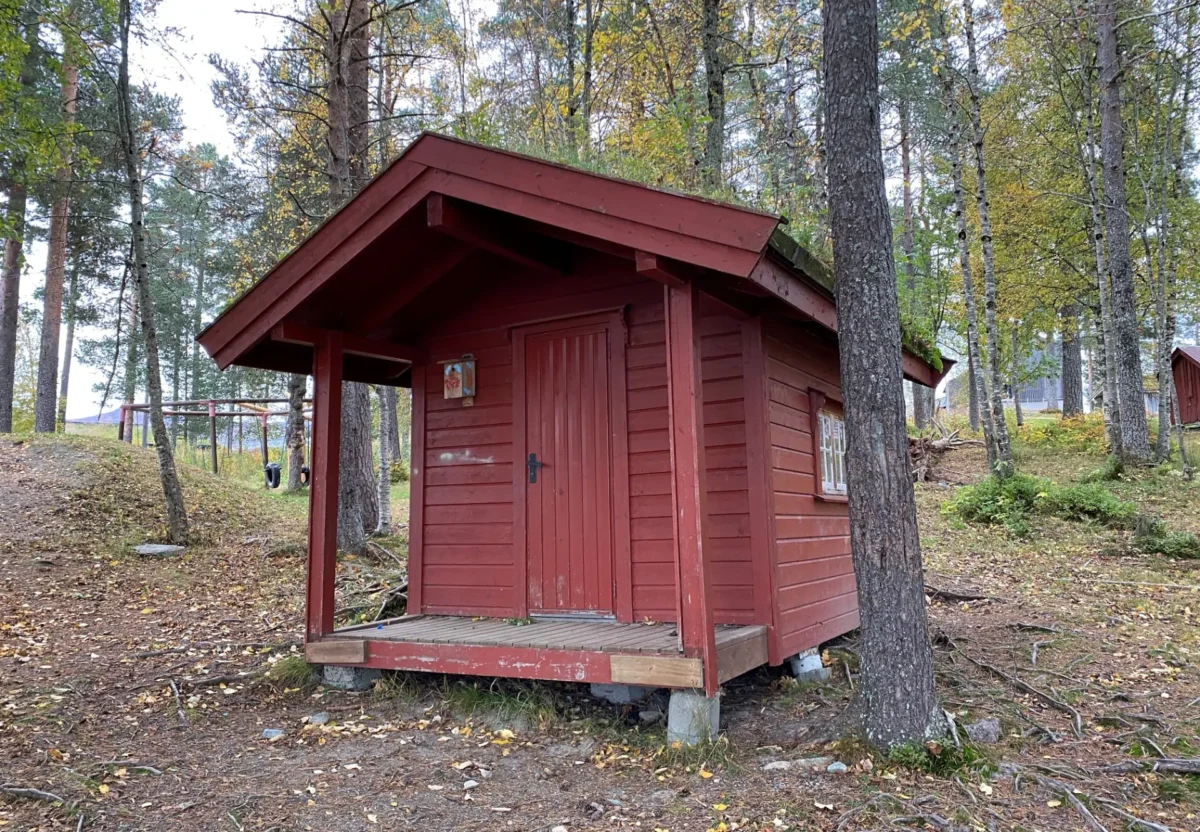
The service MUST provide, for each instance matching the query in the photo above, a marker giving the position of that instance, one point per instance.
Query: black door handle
(534, 465)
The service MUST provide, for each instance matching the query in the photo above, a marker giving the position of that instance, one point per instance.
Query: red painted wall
(1187, 385)
(815, 591)
(468, 562)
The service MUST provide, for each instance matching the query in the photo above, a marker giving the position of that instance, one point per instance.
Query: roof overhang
(444, 200)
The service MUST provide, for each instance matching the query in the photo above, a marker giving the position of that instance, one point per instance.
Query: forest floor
(134, 692)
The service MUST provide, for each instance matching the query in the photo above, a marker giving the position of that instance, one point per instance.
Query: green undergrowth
(1013, 502)
(937, 759)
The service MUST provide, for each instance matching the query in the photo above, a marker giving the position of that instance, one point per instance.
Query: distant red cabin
(626, 420)
(1185, 369)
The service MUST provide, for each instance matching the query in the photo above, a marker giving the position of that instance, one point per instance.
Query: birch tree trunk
(972, 390)
(177, 524)
(1016, 376)
(1004, 460)
(1126, 346)
(976, 377)
(1072, 363)
(896, 687)
(46, 407)
(387, 420)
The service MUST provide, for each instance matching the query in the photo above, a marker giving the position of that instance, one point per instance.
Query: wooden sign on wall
(458, 379)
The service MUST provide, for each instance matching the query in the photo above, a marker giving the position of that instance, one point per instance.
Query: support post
(688, 490)
(323, 493)
(121, 424)
(212, 433)
(265, 439)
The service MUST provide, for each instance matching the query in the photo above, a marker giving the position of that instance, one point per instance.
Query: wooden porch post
(689, 495)
(323, 492)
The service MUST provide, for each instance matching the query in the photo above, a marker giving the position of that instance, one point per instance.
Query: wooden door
(568, 470)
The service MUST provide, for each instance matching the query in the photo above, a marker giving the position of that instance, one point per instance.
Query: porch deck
(551, 649)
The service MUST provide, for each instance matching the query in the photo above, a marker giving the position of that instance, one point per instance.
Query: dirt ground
(134, 692)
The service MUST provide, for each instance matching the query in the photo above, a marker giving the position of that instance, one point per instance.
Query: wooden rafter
(493, 233)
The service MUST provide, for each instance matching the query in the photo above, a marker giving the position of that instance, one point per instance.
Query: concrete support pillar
(342, 677)
(807, 666)
(693, 717)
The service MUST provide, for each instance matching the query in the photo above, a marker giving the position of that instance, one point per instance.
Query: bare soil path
(112, 699)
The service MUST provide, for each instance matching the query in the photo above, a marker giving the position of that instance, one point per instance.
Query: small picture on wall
(458, 379)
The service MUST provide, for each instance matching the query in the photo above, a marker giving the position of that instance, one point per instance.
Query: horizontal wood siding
(650, 466)
(469, 563)
(815, 592)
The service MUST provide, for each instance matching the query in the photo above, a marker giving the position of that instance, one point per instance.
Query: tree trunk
(570, 13)
(1135, 442)
(10, 299)
(1016, 376)
(1004, 460)
(294, 432)
(14, 244)
(1072, 363)
(176, 517)
(131, 356)
(395, 453)
(387, 422)
(896, 686)
(357, 499)
(46, 408)
(714, 89)
(64, 384)
(347, 137)
(972, 392)
(979, 394)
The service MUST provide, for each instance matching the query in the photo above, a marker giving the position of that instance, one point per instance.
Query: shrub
(399, 471)
(1009, 502)
(1076, 433)
(1089, 502)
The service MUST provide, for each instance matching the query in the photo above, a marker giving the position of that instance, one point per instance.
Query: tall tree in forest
(177, 524)
(16, 179)
(46, 407)
(1135, 441)
(714, 93)
(387, 424)
(976, 378)
(896, 684)
(1004, 459)
(347, 122)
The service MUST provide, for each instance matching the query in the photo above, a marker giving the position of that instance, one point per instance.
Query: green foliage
(292, 672)
(935, 758)
(1009, 502)
(1153, 537)
(399, 471)
(1078, 433)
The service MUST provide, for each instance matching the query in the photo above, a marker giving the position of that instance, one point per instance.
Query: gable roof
(495, 197)
(1192, 354)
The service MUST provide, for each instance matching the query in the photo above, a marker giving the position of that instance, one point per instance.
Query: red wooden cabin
(649, 462)
(1185, 369)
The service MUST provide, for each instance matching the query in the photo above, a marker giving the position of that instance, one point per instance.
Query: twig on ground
(179, 703)
(1169, 764)
(954, 597)
(1193, 587)
(849, 678)
(1020, 684)
(1033, 651)
(23, 792)
(1089, 820)
(132, 765)
(1133, 820)
(1023, 627)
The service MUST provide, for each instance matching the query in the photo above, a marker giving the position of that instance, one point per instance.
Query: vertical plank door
(569, 498)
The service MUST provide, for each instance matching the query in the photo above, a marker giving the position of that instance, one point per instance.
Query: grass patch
(935, 758)
(292, 672)
(503, 699)
(703, 756)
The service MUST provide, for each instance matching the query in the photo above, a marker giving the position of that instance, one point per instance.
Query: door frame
(613, 322)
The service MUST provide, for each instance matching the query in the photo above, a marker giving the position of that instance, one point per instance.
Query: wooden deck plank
(637, 647)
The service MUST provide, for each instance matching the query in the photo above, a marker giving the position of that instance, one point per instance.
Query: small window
(833, 453)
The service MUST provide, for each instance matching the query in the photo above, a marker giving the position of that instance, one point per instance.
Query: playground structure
(207, 409)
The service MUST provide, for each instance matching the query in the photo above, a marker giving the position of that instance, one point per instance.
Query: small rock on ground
(984, 731)
(318, 719)
(836, 768)
(158, 550)
(271, 733)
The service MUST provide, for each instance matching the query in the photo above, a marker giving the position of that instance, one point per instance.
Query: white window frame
(832, 456)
